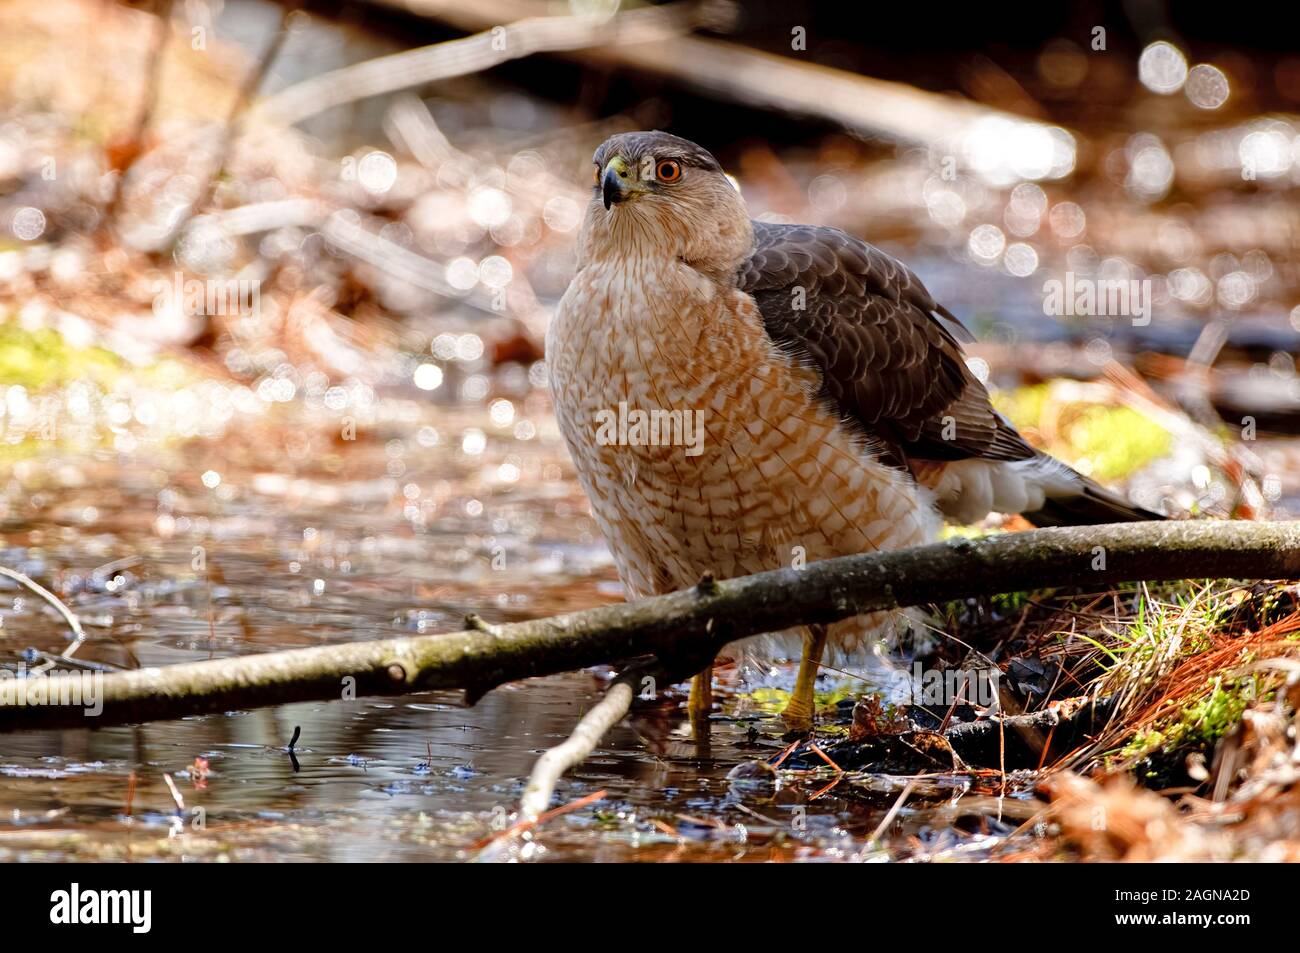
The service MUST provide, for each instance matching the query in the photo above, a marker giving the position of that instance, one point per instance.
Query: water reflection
(169, 569)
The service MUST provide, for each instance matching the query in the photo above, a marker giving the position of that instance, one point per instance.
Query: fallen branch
(735, 73)
(685, 629)
(1004, 742)
(1025, 741)
(495, 45)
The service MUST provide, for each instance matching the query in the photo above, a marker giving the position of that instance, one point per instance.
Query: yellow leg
(799, 710)
(701, 702)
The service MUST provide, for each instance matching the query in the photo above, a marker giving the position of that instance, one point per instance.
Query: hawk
(739, 396)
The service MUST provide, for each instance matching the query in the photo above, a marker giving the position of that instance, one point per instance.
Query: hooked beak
(619, 183)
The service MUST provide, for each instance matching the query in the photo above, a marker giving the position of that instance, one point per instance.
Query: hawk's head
(655, 194)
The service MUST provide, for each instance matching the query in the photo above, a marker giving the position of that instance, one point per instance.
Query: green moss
(1005, 603)
(1023, 406)
(43, 362)
(1198, 727)
(974, 611)
(1117, 441)
(40, 360)
(774, 700)
(770, 700)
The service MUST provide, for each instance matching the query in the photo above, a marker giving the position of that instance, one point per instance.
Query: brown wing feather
(887, 360)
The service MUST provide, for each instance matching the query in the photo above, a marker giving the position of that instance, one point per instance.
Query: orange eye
(668, 170)
(596, 177)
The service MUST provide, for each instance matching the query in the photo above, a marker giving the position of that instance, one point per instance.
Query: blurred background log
(724, 70)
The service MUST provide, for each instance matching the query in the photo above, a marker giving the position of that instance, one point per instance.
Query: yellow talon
(799, 711)
(700, 705)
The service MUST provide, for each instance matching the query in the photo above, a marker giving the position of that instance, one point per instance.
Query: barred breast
(748, 472)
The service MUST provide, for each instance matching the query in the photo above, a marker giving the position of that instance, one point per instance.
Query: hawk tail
(1084, 502)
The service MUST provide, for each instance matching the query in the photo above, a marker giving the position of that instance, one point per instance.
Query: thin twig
(153, 84)
(73, 622)
(892, 813)
(491, 848)
(234, 125)
(608, 712)
(398, 261)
